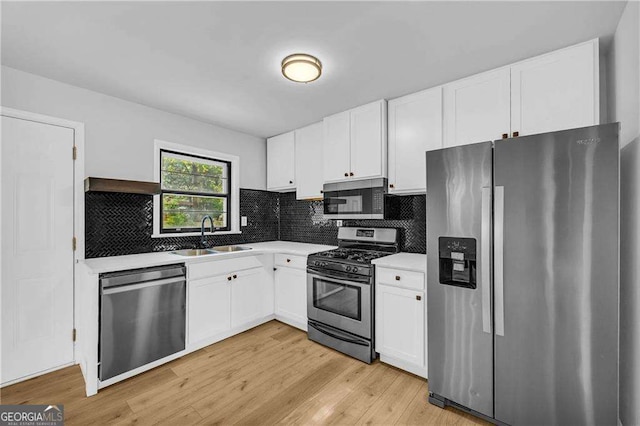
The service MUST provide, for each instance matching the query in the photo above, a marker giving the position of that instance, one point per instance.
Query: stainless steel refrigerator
(522, 292)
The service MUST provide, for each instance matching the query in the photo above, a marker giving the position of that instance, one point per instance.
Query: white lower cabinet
(233, 298)
(400, 323)
(247, 296)
(291, 296)
(209, 307)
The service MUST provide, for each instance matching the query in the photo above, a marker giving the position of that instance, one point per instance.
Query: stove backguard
(457, 261)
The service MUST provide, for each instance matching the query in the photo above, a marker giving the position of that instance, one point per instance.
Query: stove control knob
(355, 269)
(348, 268)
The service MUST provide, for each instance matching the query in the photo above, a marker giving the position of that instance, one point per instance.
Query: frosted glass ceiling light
(301, 68)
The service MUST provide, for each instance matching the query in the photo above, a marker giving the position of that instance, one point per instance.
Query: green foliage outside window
(201, 179)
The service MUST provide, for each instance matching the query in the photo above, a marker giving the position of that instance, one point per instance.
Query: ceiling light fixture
(301, 68)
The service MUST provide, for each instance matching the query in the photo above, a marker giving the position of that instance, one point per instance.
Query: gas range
(349, 260)
(340, 290)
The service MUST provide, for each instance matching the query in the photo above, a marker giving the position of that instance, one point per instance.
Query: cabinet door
(556, 91)
(477, 109)
(247, 295)
(281, 162)
(209, 307)
(369, 141)
(309, 162)
(415, 126)
(291, 294)
(336, 157)
(400, 324)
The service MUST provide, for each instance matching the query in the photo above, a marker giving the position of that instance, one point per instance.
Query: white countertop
(143, 260)
(408, 261)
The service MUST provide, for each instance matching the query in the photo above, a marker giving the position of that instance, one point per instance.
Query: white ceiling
(219, 61)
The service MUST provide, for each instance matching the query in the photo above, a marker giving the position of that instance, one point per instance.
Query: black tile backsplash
(118, 224)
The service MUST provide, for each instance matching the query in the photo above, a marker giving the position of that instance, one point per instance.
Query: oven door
(340, 302)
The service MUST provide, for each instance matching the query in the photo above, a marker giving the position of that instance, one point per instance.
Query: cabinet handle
(235, 276)
(351, 174)
(505, 135)
(516, 134)
(346, 174)
(275, 269)
(288, 260)
(321, 191)
(418, 297)
(397, 277)
(290, 182)
(228, 278)
(391, 185)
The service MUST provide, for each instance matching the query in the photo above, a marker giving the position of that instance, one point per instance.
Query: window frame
(226, 196)
(233, 196)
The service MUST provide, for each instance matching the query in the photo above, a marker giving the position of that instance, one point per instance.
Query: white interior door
(37, 253)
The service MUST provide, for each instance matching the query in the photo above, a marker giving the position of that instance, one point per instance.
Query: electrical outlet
(338, 222)
(243, 221)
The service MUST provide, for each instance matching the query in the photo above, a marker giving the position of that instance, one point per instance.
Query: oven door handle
(342, 279)
(337, 336)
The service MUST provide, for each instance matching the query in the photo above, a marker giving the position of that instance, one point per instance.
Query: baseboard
(34, 375)
(293, 323)
(404, 365)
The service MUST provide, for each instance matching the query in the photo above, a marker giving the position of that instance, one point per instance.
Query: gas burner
(353, 255)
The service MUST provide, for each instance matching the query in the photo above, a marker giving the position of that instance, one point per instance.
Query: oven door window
(341, 299)
(356, 201)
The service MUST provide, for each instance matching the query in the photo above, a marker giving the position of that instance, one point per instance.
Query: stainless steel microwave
(361, 199)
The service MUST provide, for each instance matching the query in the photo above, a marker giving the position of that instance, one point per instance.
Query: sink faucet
(202, 239)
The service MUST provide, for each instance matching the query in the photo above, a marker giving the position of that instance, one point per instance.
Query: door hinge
(74, 334)
(74, 243)
(75, 152)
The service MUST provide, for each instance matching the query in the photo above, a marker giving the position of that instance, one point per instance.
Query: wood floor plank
(267, 375)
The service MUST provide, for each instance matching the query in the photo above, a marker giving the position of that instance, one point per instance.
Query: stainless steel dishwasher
(142, 317)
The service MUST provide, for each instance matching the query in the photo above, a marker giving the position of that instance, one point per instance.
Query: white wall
(119, 134)
(624, 104)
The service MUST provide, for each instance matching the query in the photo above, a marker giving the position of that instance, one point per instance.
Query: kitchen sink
(194, 252)
(212, 250)
(228, 249)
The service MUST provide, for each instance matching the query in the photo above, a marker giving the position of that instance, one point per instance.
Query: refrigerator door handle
(485, 259)
(498, 272)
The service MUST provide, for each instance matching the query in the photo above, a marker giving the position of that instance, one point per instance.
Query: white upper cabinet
(309, 162)
(369, 141)
(415, 126)
(355, 143)
(556, 91)
(477, 108)
(337, 147)
(281, 169)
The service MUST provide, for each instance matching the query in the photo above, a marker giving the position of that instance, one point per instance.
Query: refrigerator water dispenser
(457, 261)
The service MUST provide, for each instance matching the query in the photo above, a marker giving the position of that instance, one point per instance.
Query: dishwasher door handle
(132, 287)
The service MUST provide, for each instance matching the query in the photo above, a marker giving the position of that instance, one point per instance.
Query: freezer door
(458, 280)
(556, 278)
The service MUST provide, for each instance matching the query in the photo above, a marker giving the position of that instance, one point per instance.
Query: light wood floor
(270, 374)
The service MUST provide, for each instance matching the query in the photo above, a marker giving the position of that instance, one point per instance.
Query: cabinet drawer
(213, 267)
(400, 278)
(291, 261)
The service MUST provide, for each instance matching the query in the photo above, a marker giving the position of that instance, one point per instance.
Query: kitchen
(318, 294)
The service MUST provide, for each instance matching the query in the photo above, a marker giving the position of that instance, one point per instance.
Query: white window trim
(234, 190)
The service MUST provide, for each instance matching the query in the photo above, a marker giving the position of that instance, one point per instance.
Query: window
(193, 186)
